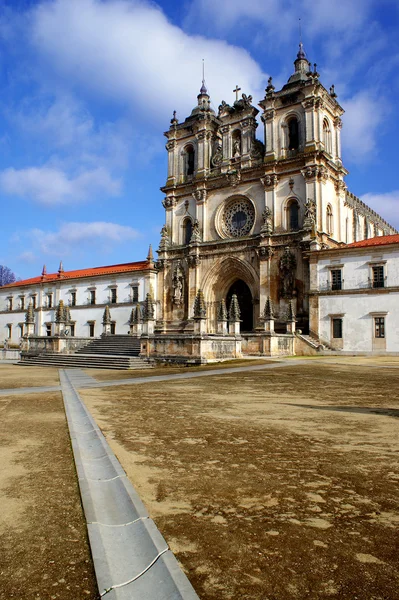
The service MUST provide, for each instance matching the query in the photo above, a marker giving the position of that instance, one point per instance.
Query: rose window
(238, 218)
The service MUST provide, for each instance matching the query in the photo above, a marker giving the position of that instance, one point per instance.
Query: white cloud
(364, 114)
(52, 186)
(27, 257)
(386, 203)
(70, 236)
(130, 53)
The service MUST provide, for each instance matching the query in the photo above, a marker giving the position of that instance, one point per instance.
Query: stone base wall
(190, 349)
(268, 344)
(53, 345)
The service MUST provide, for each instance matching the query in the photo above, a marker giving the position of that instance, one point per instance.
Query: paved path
(30, 390)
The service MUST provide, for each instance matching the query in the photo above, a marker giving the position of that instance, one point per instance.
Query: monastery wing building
(244, 220)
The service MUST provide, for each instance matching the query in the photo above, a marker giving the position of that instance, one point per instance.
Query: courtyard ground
(269, 485)
(44, 552)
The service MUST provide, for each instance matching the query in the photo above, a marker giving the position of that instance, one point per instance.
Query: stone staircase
(111, 352)
(315, 343)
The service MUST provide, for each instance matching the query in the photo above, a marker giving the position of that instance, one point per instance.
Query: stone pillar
(148, 315)
(234, 316)
(30, 320)
(268, 316)
(291, 320)
(107, 321)
(135, 321)
(199, 313)
(222, 318)
(60, 318)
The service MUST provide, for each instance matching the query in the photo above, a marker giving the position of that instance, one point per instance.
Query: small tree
(6, 275)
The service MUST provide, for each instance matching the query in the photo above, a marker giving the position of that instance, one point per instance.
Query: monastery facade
(244, 222)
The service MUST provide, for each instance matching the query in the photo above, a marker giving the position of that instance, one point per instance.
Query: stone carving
(107, 316)
(268, 312)
(60, 312)
(164, 242)
(291, 183)
(247, 100)
(199, 306)
(265, 252)
(196, 233)
(233, 178)
(238, 217)
(269, 180)
(267, 226)
(30, 315)
(269, 115)
(257, 150)
(177, 282)
(199, 196)
(222, 311)
(171, 145)
(287, 267)
(148, 309)
(310, 215)
(217, 157)
(67, 315)
(223, 108)
(270, 87)
(169, 202)
(132, 317)
(234, 310)
(291, 317)
(237, 149)
(159, 264)
(193, 260)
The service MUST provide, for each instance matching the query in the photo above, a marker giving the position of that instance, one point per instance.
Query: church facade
(242, 219)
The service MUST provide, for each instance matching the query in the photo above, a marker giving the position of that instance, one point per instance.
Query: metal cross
(236, 91)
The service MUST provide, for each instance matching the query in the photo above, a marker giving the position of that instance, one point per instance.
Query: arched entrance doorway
(244, 297)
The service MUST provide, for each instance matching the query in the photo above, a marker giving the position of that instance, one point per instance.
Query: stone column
(222, 318)
(199, 313)
(291, 320)
(234, 316)
(60, 318)
(268, 316)
(30, 320)
(148, 315)
(107, 321)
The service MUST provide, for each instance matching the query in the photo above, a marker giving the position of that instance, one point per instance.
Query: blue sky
(89, 86)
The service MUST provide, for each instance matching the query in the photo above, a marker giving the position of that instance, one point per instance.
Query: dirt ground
(110, 375)
(272, 485)
(17, 376)
(44, 553)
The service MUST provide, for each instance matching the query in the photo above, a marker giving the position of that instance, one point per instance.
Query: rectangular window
(49, 300)
(378, 276)
(72, 330)
(91, 329)
(92, 296)
(34, 300)
(379, 327)
(336, 279)
(113, 326)
(21, 330)
(22, 302)
(10, 304)
(48, 329)
(113, 295)
(73, 298)
(9, 331)
(135, 293)
(337, 328)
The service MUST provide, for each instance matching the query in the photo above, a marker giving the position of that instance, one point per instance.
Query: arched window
(330, 222)
(187, 231)
(236, 143)
(293, 134)
(327, 137)
(293, 215)
(189, 160)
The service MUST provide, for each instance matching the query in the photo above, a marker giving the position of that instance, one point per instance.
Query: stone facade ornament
(233, 178)
(132, 317)
(291, 318)
(287, 268)
(107, 316)
(169, 202)
(196, 233)
(310, 215)
(193, 260)
(217, 157)
(269, 181)
(234, 310)
(178, 282)
(60, 312)
(268, 312)
(67, 315)
(165, 241)
(265, 252)
(257, 150)
(199, 306)
(237, 149)
(148, 308)
(222, 311)
(267, 225)
(30, 315)
(200, 196)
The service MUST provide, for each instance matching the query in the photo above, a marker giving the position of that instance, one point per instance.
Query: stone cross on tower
(237, 89)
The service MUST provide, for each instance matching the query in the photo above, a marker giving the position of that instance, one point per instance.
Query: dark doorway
(244, 297)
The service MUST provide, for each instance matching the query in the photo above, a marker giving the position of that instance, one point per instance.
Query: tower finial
(203, 89)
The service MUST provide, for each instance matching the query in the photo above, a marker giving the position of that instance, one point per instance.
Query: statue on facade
(267, 226)
(309, 222)
(287, 268)
(217, 157)
(237, 149)
(164, 242)
(196, 233)
(177, 283)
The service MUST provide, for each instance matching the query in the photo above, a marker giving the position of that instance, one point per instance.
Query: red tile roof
(381, 240)
(80, 273)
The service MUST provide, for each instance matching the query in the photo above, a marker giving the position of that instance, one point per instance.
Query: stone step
(86, 361)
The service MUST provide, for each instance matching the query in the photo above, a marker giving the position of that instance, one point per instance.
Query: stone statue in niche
(310, 215)
(237, 148)
(217, 157)
(267, 226)
(196, 233)
(287, 268)
(178, 285)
